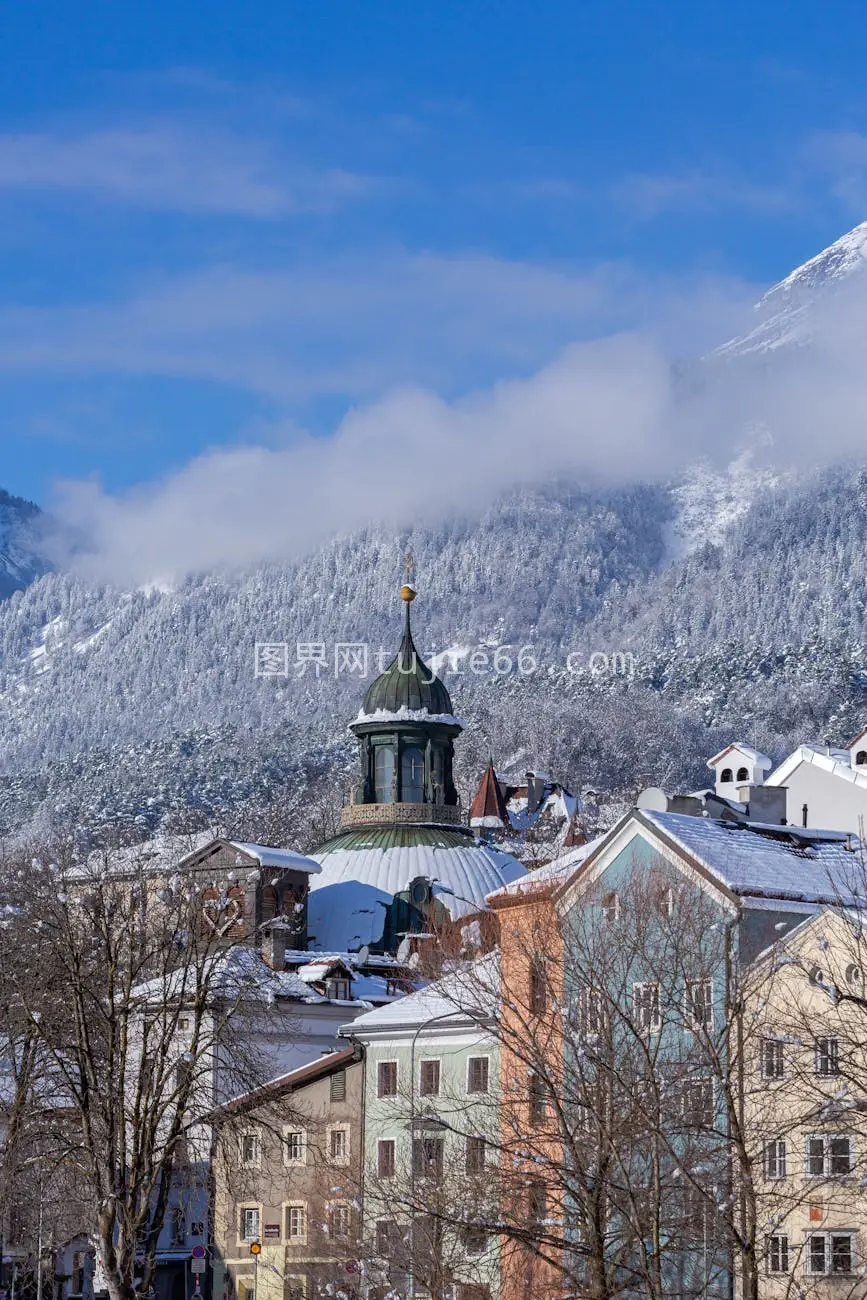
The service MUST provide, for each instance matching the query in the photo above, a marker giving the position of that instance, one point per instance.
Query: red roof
(488, 802)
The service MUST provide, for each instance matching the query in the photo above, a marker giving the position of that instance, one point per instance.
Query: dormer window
(743, 774)
(861, 758)
(338, 990)
(726, 776)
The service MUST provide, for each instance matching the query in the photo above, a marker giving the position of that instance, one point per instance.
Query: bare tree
(138, 999)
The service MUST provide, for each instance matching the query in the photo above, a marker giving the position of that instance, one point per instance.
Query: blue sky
(230, 224)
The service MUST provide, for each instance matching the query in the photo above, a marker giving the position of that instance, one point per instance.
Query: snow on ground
(709, 502)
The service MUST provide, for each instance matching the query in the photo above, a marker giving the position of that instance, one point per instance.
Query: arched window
(726, 775)
(412, 776)
(384, 774)
(743, 774)
(861, 758)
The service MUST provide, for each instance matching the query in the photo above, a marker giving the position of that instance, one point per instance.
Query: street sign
(198, 1252)
(198, 1265)
(272, 1232)
(255, 1248)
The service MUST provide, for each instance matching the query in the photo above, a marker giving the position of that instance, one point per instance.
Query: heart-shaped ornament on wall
(222, 916)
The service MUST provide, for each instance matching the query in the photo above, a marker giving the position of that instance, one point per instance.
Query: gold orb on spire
(407, 591)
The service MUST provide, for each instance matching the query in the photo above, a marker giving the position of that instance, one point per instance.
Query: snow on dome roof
(363, 869)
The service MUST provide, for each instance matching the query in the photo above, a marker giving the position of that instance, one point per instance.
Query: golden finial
(407, 591)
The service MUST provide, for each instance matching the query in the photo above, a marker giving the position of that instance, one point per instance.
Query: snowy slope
(788, 313)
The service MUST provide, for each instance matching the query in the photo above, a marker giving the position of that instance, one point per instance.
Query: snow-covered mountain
(20, 562)
(789, 313)
(733, 601)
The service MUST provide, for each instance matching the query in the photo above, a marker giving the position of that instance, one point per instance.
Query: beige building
(805, 1084)
(287, 1178)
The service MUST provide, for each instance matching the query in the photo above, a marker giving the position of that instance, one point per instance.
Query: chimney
(765, 803)
(274, 946)
(532, 800)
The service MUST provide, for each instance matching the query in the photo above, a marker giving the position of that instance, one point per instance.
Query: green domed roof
(407, 683)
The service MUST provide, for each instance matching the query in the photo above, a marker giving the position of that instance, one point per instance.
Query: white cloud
(171, 168)
(610, 411)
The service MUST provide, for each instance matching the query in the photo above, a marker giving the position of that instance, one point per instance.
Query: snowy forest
(735, 603)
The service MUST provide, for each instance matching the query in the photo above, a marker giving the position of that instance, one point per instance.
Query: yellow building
(803, 1075)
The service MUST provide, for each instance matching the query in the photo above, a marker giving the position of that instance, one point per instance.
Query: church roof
(407, 685)
(488, 808)
(363, 869)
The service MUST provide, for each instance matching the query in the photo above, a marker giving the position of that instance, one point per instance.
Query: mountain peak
(788, 310)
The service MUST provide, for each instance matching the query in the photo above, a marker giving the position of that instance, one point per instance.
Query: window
(384, 774)
(773, 1059)
(338, 990)
(861, 758)
(477, 1074)
(645, 1001)
(699, 1003)
(338, 1086)
(294, 1146)
(427, 1156)
(774, 1158)
(538, 1103)
(184, 1022)
(611, 907)
(777, 1253)
(250, 1149)
(475, 1155)
(386, 1079)
(475, 1240)
(385, 1158)
(429, 1078)
(828, 1155)
(338, 1222)
(538, 986)
(592, 1011)
(338, 1145)
(743, 774)
(179, 1226)
(831, 1252)
(726, 776)
(537, 1202)
(296, 1223)
(384, 1238)
(249, 1223)
(78, 1272)
(698, 1102)
(827, 1056)
(412, 776)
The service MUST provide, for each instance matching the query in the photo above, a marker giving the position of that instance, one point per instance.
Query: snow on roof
(552, 872)
(319, 970)
(771, 861)
(469, 992)
(754, 755)
(284, 859)
(240, 973)
(360, 877)
(837, 763)
(404, 714)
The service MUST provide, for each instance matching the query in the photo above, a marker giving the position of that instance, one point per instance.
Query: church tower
(406, 732)
(404, 860)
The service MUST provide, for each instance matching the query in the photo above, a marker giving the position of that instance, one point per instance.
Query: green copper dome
(407, 683)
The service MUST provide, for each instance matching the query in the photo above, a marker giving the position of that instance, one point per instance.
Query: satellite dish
(362, 955)
(403, 950)
(653, 799)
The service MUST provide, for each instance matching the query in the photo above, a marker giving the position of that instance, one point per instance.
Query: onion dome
(407, 685)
